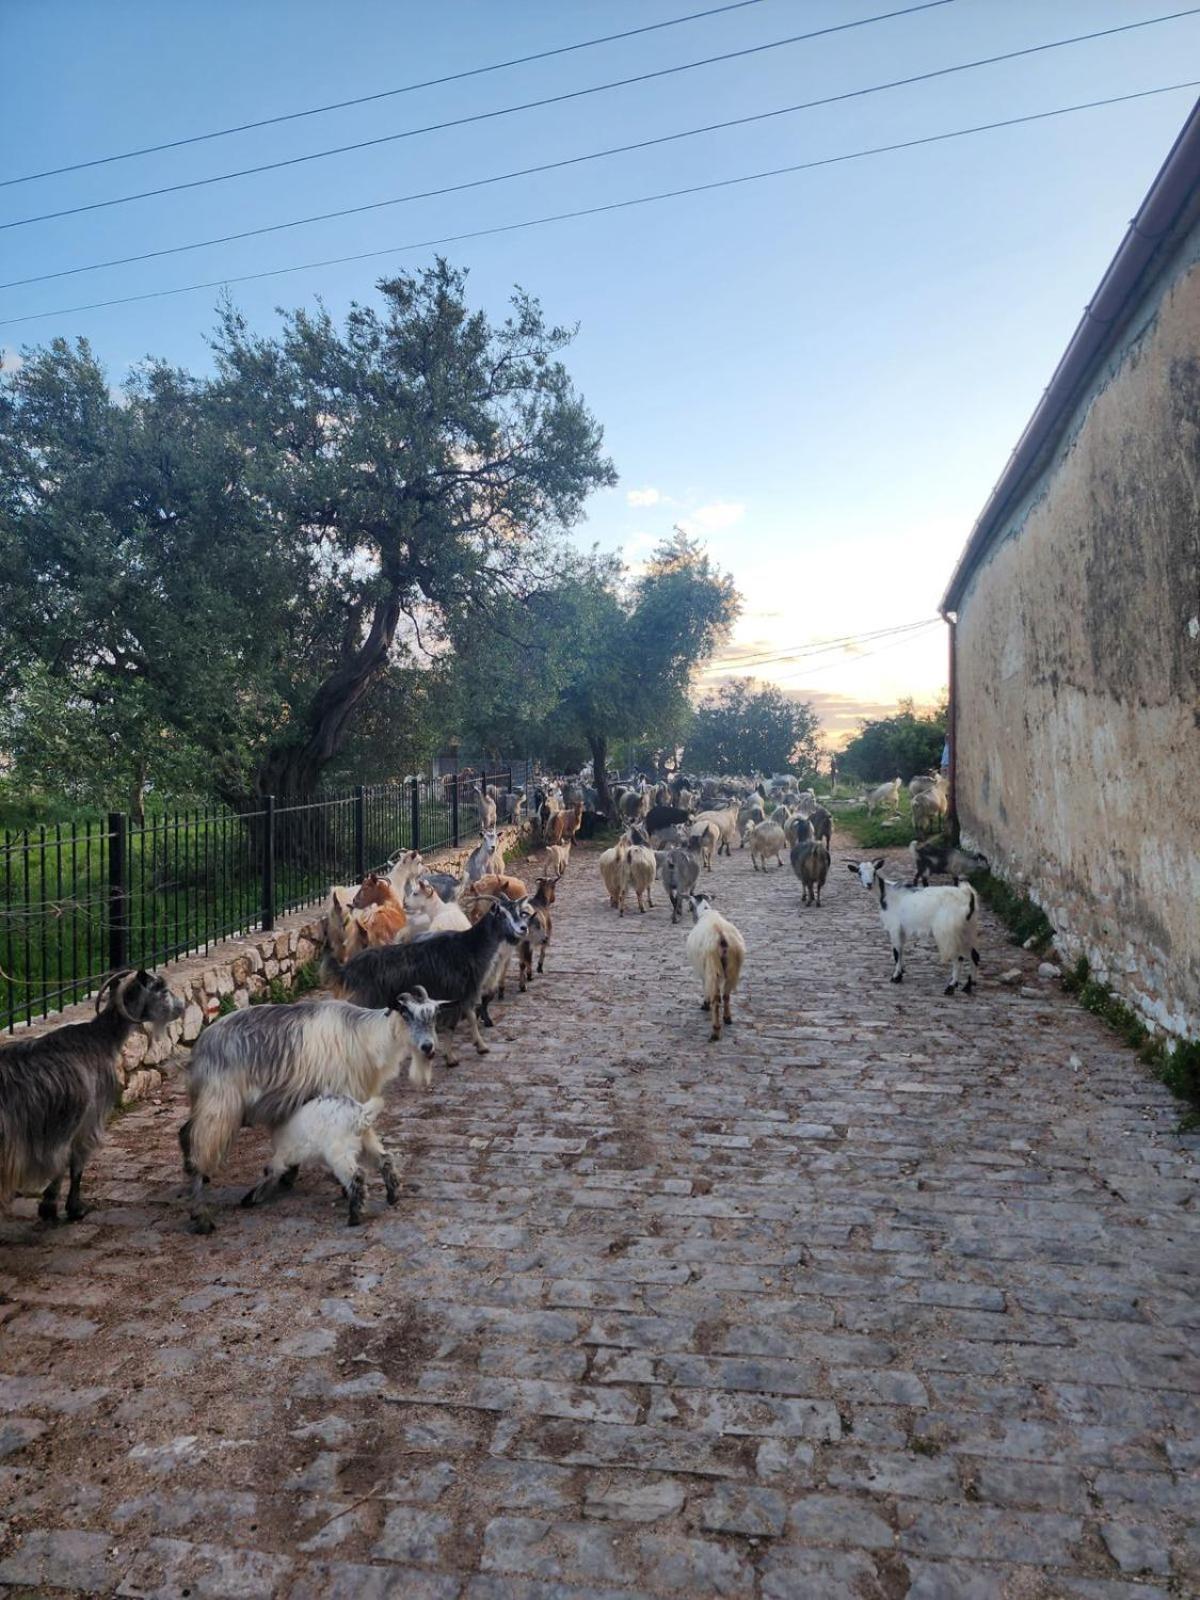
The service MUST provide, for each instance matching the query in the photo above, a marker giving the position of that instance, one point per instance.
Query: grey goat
(680, 872)
(939, 855)
(57, 1091)
(810, 863)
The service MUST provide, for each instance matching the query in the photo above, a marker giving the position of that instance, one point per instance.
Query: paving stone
(173, 1569)
(1136, 1547)
(736, 1508)
(66, 1558)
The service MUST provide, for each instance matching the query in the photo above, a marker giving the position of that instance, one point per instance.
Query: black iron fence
(79, 899)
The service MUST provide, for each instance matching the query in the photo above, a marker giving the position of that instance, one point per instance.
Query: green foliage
(897, 746)
(873, 829)
(748, 729)
(225, 1005)
(207, 579)
(1016, 911)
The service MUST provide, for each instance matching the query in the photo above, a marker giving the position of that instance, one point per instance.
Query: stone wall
(1079, 672)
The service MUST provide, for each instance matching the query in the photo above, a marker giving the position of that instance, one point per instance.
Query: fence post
(268, 864)
(454, 812)
(416, 813)
(360, 832)
(118, 892)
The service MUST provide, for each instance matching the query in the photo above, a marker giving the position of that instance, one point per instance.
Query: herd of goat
(412, 953)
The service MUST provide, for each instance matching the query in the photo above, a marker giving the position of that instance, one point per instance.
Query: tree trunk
(137, 792)
(598, 745)
(293, 770)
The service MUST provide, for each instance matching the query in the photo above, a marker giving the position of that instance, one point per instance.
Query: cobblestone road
(885, 1295)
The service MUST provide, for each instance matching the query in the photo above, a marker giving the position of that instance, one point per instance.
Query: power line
(387, 94)
(593, 211)
(865, 655)
(817, 646)
(578, 94)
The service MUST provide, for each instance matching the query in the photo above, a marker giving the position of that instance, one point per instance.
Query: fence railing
(79, 899)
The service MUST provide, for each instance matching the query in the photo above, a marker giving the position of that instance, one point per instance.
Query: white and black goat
(947, 914)
(939, 855)
(57, 1091)
(455, 968)
(257, 1067)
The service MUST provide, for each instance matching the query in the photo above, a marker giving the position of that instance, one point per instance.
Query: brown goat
(541, 926)
(379, 910)
(476, 900)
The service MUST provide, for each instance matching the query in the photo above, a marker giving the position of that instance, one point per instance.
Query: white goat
(429, 913)
(716, 951)
(887, 794)
(332, 1128)
(766, 839)
(639, 867)
(946, 914)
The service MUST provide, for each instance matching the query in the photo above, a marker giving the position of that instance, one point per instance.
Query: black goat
(57, 1091)
(451, 967)
(661, 818)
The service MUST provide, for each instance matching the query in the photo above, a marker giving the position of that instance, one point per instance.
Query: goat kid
(332, 1129)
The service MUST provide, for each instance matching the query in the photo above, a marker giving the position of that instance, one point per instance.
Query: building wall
(1079, 671)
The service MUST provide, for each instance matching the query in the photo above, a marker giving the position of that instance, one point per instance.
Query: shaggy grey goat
(453, 967)
(256, 1068)
(680, 875)
(810, 863)
(57, 1091)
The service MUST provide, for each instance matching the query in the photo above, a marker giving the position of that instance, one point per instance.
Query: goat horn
(113, 977)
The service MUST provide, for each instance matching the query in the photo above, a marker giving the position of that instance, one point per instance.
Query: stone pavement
(888, 1294)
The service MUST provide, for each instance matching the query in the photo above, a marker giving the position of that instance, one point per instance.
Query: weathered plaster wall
(1079, 672)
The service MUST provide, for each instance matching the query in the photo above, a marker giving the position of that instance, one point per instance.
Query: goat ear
(852, 866)
(879, 865)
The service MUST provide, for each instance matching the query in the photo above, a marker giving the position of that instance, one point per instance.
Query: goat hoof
(250, 1198)
(203, 1225)
(47, 1211)
(393, 1194)
(287, 1179)
(484, 1049)
(714, 1038)
(77, 1213)
(950, 988)
(968, 986)
(354, 1220)
(897, 977)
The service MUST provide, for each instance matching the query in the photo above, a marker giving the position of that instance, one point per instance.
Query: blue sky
(823, 374)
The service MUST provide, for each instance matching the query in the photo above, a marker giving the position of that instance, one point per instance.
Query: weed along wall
(1078, 660)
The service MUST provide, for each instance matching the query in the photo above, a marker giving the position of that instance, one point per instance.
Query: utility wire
(579, 94)
(426, 83)
(830, 666)
(817, 646)
(593, 211)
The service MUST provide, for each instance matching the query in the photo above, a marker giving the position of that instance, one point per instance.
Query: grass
(1178, 1068)
(877, 830)
(1016, 911)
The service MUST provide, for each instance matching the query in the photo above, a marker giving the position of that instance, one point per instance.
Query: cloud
(715, 517)
(649, 496)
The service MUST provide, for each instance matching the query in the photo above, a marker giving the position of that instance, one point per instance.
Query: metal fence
(80, 899)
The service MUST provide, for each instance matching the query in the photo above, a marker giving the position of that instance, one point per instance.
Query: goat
(821, 823)
(638, 870)
(705, 838)
(885, 794)
(749, 813)
(661, 818)
(380, 911)
(476, 898)
(766, 839)
(716, 951)
(612, 870)
(485, 857)
(923, 782)
(332, 1128)
(939, 855)
(929, 806)
(558, 858)
(344, 933)
(256, 1068)
(486, 807)
(947, 914)
(810, 863)
(452, 967)
(429, 913)
(541, 926)
(798, 829)
(57, 1091)
(680, 871)
(806, 802)
(406, 867)
(726, 823)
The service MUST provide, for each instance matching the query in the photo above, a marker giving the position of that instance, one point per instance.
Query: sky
(820, 374)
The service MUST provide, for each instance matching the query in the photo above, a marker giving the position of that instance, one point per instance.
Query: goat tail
(723, 947)
(331, 971)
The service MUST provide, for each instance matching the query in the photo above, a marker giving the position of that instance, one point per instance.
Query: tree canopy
(743, 729)
(233, 564)
(898, 746)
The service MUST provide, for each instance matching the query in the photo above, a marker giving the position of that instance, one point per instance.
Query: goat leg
(378, 1152)
(477, 1036)
(48, 1204)
(270, 1182)
(76, 1210)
